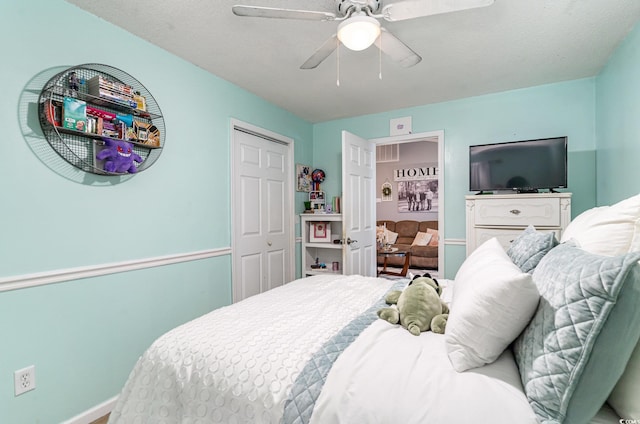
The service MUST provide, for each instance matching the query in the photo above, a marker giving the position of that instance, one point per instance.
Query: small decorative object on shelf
(317, 176)
(320, 232)
(118, 156)
(74, 84)
(318, 265)
(90, 111)
(317, 201)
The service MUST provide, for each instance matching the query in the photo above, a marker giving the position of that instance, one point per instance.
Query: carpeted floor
(102, 420)
(410, 273)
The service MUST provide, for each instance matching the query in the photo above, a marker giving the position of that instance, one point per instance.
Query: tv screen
(523, 166)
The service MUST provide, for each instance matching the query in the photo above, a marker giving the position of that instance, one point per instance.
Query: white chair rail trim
(58, 276)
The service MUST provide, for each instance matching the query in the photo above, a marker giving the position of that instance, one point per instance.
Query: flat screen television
(523, 166)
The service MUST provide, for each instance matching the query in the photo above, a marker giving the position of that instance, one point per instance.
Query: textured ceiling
(511, 44)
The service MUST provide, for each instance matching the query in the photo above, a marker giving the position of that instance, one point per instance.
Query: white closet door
(262, 222)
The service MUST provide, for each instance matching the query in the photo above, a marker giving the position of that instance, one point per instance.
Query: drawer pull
(515, 211)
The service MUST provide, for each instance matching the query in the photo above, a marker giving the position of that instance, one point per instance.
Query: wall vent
(388, 153)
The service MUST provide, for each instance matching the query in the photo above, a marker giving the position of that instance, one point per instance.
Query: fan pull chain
(337, 62)
(380, 56)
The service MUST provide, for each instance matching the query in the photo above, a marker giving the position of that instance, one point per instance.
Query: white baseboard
(94, 413)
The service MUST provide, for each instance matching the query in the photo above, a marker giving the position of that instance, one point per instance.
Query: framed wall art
(320, 232)
(303, 176)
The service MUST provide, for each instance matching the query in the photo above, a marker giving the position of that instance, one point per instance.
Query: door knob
(269, 243)
(349, 241)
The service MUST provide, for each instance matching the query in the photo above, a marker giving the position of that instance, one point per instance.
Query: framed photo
(303, 176)
(418, 196)
(320, 232)
(317, 200)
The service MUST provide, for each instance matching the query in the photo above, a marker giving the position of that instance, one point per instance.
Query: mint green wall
(84, 336)
(618, 113)
(546, 111)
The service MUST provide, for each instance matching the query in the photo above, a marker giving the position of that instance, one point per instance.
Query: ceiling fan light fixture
(358, 32)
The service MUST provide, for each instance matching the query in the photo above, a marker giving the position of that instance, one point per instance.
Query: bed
(266, 359)
(314, 351)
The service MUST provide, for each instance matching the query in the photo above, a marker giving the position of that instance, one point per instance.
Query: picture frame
(317, 200)
(418, 196)
(145, 133)
(320, 232)
(303, 178)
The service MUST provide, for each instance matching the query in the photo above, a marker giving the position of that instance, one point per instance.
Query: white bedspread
(391, 376)
(237, 364)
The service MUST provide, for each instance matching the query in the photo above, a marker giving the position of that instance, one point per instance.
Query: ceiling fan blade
(411, 9)
(273, 12)
(396, 49)
(322, 53)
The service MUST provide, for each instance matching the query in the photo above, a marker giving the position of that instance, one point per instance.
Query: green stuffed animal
(419, 307)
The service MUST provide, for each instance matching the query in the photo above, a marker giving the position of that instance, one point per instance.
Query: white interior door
(358, 191)
(261, 219)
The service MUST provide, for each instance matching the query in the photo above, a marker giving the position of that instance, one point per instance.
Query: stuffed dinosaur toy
(418, 307)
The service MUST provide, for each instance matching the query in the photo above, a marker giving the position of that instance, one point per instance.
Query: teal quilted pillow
(529, 248)
(577, 345)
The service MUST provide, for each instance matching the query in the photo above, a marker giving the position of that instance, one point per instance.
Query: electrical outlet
(24, 380)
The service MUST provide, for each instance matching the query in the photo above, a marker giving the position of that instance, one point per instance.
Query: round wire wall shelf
(83, 106)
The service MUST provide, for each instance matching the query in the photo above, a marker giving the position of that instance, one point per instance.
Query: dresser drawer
(540, 212)
(505, 236)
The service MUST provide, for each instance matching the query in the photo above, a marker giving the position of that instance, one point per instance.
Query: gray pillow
(578, 343)
(529, 247)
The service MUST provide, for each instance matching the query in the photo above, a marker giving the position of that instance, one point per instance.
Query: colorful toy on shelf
(118, 156)
(74, 83)
(317, 176)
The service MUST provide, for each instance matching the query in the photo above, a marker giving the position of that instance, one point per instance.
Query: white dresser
(504, 216)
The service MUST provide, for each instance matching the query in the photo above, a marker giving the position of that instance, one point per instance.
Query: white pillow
(493, 301)
(421, 239)
(381, 231)
(391, 236)
(479, 258)
(607, 230)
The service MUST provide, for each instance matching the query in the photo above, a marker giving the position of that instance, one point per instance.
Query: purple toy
(119, 156)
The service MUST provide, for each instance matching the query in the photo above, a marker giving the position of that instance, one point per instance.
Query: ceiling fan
(359, 24)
